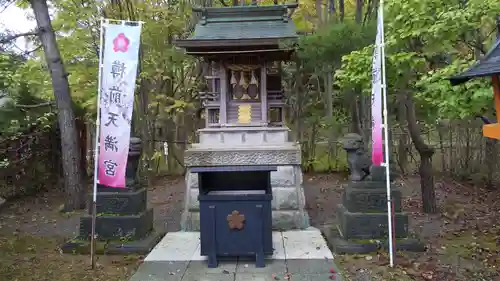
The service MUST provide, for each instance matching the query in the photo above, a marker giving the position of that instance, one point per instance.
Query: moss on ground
(26, 257)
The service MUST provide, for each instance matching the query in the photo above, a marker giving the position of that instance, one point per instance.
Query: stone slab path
(298, 255)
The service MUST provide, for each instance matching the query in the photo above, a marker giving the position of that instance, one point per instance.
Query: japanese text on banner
(121, 50)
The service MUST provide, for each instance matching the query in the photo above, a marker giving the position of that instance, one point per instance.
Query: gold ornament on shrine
(244, 113)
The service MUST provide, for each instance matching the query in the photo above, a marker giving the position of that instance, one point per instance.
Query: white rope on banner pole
(96, 147)
(386, 137)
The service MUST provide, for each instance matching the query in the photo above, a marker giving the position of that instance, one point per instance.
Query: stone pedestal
(124, 223)
(240, 146)
(362, 217)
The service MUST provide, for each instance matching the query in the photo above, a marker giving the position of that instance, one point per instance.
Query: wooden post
(263, 94)
(223, 95)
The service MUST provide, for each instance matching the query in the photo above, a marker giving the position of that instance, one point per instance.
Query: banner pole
(386, 137)
(96, 147)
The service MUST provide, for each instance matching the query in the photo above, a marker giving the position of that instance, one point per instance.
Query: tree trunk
(82, 133)
(341, 10)
(426, 152)
(355, 122)
(319, 12)
(329, 113)
(403, 139)
(73, 181)
(441, 147)
(359, 11)
(331, 8)
(491, 160)
(370, 7)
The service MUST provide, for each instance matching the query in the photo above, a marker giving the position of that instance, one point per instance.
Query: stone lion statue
(358, 160)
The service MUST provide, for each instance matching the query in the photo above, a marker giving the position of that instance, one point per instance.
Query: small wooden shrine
(489, 66)
(244, 176)
(241, 46)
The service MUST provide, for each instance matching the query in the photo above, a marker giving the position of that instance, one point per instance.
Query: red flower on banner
(121, 43)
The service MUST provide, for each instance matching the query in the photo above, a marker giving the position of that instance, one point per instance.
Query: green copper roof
(230, 24)
(246, 22)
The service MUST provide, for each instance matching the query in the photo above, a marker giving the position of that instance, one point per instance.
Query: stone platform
(298, 254)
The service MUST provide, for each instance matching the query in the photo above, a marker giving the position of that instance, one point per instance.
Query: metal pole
(96, 147)
(386, 137)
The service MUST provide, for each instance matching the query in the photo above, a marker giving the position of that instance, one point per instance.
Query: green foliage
(428, 43)
(459, 101)
(15, 118)
(327, 46)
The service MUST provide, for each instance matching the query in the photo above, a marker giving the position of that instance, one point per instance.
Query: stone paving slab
(208, 277)
(161, 271)
(312, 277)
(254, 277)
(302, 253)
(305, 245)
(201, 267)
(247, 266)
(176, 246)
(315, 266)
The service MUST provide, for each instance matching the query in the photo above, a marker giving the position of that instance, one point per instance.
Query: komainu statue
(358, 160)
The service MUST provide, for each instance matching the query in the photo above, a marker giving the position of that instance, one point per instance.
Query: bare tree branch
(223, 3)
(5, 5)
(9, 38)
(28, 53)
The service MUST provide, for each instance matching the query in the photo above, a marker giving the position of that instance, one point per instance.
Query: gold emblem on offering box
(244, 113)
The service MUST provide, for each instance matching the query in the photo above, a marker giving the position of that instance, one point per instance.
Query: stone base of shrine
(288, 202)
(141, 247)
(341, 245)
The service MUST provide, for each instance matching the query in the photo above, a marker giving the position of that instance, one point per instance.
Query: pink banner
(119, 68)
(377, 143)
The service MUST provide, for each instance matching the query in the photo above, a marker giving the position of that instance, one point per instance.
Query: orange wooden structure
(489, 66)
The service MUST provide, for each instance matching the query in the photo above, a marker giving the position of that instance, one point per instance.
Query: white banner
(120, 59)
(377, 150)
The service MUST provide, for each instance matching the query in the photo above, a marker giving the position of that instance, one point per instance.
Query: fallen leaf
(428, 275)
